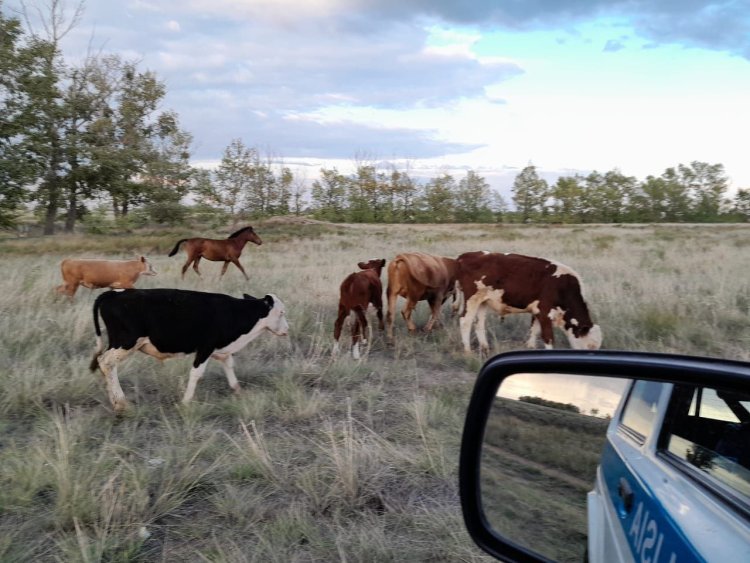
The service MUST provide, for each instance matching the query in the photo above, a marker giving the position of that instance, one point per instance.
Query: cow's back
(178, 321)
(428, 271)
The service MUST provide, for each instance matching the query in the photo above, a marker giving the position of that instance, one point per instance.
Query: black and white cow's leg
(108, 364)
(196, 372)
(227, 362)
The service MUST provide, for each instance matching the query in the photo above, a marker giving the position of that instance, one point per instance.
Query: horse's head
(246, 234)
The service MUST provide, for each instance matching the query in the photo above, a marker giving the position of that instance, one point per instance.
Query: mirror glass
(542, 445)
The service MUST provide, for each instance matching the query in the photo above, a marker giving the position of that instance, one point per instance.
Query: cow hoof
(121, 407)
(355, 351)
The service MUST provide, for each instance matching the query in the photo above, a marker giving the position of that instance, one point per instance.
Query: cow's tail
(177, 247)
(99, 347)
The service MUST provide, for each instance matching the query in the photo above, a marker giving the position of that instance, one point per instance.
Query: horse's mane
(238, 233)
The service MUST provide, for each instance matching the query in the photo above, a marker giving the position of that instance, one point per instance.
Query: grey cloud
(612, 46)
(302, 138)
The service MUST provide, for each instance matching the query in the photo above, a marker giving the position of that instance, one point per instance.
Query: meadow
(317, 459)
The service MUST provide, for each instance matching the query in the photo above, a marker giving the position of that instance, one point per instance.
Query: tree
(706, 184)
(742, 204)
(473, 199)
(438, 202)
(329, 195)
(21, 61)
(45, 131)
(232, 177)
(567, 199)
(530, 194)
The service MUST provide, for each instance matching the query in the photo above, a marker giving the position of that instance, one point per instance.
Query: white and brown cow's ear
(143, 259)
(362, 265)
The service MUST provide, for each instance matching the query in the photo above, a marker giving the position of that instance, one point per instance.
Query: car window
(710, 430)
(640, 409)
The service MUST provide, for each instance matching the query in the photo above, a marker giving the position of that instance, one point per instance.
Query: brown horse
(219, 250)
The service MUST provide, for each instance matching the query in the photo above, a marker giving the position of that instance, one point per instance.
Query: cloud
(612, 46)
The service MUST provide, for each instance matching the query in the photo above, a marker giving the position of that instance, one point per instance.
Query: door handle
(626, 494)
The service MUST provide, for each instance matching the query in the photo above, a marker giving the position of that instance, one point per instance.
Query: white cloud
(172, 25)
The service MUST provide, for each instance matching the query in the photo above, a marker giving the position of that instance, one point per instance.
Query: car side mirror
(534, 432)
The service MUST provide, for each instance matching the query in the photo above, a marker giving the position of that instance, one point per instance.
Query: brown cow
(94, 274)
(416, 276)
(513, 283)
(358, 290)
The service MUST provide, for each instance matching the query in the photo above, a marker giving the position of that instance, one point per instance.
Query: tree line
(89, 141)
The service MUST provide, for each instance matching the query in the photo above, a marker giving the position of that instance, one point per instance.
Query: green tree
(567, 199)
(21, 63)
(329, 195)
(530, 193)
(742, 204)
(438, 202)
(473, 199)
(707, 185)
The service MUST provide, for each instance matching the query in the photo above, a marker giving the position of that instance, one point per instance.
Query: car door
(655, 499)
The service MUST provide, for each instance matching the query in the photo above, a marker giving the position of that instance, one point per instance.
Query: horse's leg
(224, 269)
(187, 265)
(236, 262)
(195, 264)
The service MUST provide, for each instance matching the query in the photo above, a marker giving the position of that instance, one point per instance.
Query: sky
(444, 86)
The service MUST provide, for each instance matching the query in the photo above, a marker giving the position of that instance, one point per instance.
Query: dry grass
(317, 459)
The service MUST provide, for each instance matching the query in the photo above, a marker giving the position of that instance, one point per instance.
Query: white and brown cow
(513, 283)
(165, 323)
(416, 277)
(95, 274)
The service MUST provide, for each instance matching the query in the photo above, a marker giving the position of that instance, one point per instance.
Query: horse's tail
(177, 247)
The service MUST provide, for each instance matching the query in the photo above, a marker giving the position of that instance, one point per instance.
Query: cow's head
(148, 269)
(584, 339)
(276, 319)
(374, 264)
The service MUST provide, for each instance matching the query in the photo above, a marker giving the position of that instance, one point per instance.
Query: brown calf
(94, 274)
(358, 290)
(416, 276)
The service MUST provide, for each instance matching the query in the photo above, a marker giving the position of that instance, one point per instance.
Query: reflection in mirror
(542, 444)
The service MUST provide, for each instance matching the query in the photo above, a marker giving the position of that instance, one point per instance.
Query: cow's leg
(377, 302)
(360, 323)
(343, 312)
(108, 364)
(481, 329)
(546, 329)
(467, 320)
(227, 362)
(236, 262)
(533, 333)
(406, 313)
(392, 298)
(196, 372)
(435, 302)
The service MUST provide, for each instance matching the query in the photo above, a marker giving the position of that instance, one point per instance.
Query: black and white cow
(165, 323)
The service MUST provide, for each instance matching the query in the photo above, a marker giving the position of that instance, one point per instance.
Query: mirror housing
(667, 368)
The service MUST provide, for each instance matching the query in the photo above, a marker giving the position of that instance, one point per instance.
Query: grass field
(317, 459)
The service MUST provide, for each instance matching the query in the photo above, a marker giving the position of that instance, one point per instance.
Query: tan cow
(94, 274)
(416, 276)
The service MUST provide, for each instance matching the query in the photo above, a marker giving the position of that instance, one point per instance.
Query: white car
(673, 482)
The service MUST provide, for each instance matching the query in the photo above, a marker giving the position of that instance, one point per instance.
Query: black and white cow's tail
(95, 360)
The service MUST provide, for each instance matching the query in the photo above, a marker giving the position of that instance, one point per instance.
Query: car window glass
(710, 430)
(640, 410)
